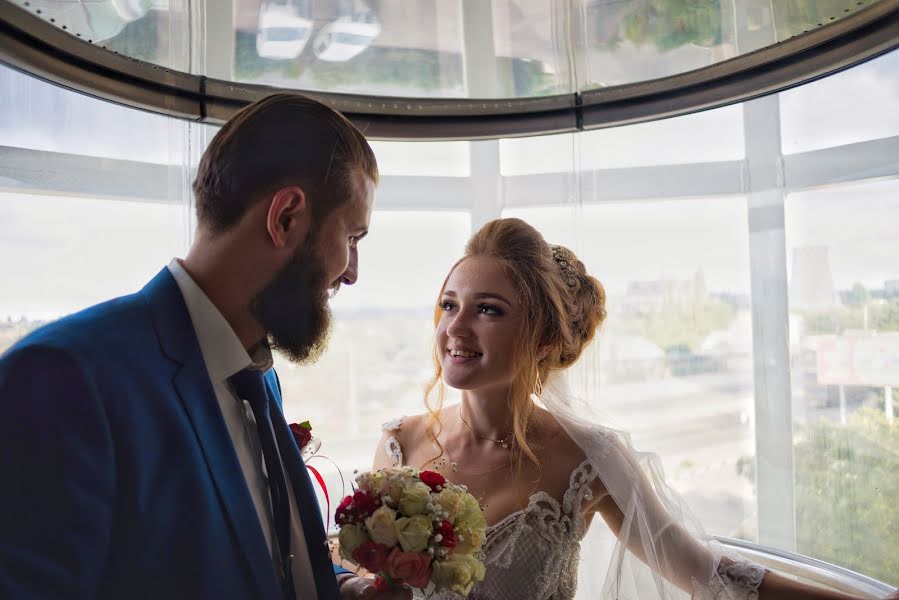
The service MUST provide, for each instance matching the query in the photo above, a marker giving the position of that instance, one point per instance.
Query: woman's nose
(459, 327)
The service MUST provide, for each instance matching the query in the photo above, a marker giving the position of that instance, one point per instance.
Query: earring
(538, 385)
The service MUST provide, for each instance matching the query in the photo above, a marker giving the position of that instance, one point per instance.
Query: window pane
(41, 116)
(629, 42)
(64, 253)
(673, 361)
(95, 200)
(155, 31)
(856, 105)
(844, 299)
(379, 356)
(450, 159)
(350, 46)
(715, 135)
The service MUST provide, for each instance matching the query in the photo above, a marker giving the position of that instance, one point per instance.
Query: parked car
(284, 29)
(348, 35)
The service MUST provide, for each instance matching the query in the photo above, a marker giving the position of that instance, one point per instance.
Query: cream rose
(414, 499)
(470, 526)
(413, 533)
(471, 540)
(468, 509)
(350, 538)
(458, 573)
(381, 526)
(450, 501)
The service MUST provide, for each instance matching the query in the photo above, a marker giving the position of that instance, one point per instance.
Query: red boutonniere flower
(302, 433)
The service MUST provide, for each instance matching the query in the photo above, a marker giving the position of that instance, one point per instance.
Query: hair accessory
(563, 257)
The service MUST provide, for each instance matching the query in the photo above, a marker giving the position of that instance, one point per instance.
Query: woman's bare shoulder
(410, 431)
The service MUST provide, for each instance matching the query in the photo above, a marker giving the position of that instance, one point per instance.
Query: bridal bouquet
(415, 528)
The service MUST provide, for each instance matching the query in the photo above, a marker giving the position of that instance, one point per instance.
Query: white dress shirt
(225, 356)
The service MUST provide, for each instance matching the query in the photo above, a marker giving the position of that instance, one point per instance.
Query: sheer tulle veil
(661, 549)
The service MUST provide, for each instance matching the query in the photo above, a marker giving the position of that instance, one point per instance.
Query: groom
(143, 452)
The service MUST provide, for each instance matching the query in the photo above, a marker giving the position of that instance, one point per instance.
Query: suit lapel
(192, 383)
(307, 503)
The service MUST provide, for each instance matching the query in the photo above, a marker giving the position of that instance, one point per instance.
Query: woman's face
(479, 326)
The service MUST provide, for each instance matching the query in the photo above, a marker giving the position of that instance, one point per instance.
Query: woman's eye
(488, 309)
(446, 305)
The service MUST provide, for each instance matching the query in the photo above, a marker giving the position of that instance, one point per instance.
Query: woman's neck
(487, 413)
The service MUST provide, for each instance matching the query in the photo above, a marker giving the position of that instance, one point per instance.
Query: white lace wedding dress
(535, 552)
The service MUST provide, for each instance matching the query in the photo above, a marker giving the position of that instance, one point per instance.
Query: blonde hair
(562, 308)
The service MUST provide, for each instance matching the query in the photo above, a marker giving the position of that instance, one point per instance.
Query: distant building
(811, 282)
(891, 288)
(645, 297)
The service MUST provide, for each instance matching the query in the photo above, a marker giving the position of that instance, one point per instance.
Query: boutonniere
(302, 434)
(309, 446)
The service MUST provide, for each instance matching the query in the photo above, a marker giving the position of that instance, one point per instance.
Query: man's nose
(351, 274)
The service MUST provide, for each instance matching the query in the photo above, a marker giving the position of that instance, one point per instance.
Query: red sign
(859, 359)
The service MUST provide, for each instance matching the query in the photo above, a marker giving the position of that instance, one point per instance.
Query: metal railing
(809, 569)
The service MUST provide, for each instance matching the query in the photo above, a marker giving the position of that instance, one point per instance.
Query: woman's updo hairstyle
(563, 304)
(562, 307)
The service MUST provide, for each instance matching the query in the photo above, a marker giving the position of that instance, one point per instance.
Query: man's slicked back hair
(281, 140)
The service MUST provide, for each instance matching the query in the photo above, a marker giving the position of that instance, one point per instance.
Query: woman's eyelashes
(484, 309)
(489, 309)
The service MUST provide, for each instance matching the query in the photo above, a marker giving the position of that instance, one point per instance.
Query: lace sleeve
(733, 580)
(391, 444)
(739, 580)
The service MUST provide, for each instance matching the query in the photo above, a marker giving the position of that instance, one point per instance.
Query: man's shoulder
(97, 326)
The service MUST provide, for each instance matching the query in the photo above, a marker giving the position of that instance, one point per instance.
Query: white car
(348, 36)
(284, 29)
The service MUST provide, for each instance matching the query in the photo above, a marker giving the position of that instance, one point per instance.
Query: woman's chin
(457, 381)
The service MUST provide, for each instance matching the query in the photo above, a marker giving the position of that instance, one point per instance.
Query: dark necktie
(250, 386)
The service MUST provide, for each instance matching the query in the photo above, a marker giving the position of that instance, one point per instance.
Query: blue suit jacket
(118, 475)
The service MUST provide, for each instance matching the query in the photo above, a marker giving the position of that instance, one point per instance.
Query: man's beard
(293, 308)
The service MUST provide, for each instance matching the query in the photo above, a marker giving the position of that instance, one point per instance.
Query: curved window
(439, 48)
(748, 252)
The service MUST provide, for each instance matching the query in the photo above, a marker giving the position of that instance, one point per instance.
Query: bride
(513, 315)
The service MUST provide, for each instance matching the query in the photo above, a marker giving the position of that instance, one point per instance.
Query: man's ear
(289, 217)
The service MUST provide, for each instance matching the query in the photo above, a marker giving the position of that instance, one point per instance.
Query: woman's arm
(664, 544)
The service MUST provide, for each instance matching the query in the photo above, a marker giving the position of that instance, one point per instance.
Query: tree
(670, 24)
(882, 316)
(846, 491)
(859, 295)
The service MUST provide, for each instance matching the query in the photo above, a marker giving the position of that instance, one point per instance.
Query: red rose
(364, 505)
(371, 555)
(302, 433)
(413, 568)
(447, 533)
(356, 508)
(343, 514)
(432, 479)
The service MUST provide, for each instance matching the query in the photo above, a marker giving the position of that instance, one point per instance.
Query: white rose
(381, 525)
(414, 499)
(350, 538)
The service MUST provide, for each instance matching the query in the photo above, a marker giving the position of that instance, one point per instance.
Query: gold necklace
(504, 442)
